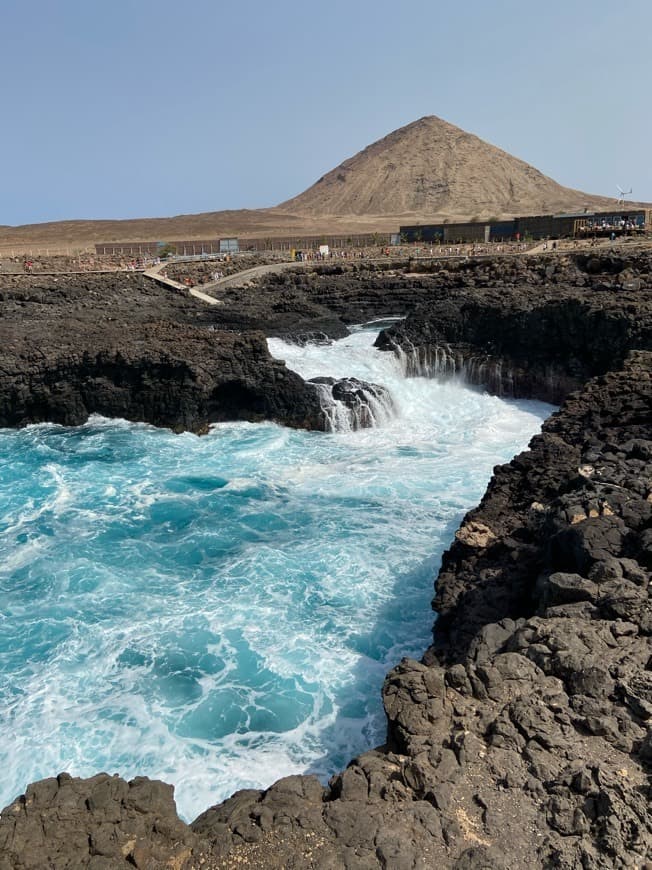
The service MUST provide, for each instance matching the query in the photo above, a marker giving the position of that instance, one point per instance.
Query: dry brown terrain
(68, 236)
(432, 168)
(428, 170)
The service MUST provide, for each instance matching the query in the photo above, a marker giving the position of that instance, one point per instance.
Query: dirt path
(222, 283)
(250, 274)
(155, 274)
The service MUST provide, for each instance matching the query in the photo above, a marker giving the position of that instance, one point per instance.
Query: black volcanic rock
(167, 374)
(523, 738)
(530, 342)
(101, 822)
(138, 352)
(364, 402)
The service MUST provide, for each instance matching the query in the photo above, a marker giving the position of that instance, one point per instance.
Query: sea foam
(220, 611)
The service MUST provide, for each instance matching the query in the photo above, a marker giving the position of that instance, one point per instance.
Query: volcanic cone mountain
(431, 167)
(428, 170)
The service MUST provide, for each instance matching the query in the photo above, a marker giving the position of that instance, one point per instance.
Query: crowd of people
(615, 225)
(204, 270)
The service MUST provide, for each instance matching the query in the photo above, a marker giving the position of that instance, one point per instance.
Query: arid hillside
(431, 167)
(425, 171)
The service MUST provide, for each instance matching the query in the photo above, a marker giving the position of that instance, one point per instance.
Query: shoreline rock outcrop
(165, 374)
(146, 355)
(532, 342)
(523, 738)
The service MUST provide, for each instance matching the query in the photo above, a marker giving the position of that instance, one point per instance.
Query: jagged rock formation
(431, 167)
(66, 353)
(541, 340)
(164, 374)
(523, 738)
(102, 822)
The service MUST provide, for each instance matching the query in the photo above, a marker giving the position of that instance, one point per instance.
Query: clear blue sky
(137, 108)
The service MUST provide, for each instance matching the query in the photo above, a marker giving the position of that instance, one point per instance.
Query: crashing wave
(350, 404)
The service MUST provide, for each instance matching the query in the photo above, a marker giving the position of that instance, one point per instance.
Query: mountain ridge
(433, 167)
(426, 171)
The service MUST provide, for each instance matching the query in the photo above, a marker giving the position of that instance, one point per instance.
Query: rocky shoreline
(522, 738)
(541, 342)
(121, 347)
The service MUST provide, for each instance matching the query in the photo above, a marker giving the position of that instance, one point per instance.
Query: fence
(33, 251)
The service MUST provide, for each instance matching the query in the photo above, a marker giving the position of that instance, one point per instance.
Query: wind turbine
(622, 194)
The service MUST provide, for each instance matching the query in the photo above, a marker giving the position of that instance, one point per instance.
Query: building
(619, 222)
(188, 248)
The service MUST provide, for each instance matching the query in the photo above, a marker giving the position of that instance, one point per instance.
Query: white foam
(142, 599)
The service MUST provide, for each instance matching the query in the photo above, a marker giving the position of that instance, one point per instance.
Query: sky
(146, 108)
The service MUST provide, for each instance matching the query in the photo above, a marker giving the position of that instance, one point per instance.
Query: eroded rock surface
(525, 341)
(101, 823)
(523, 738)
(121, 347)
(166, 374)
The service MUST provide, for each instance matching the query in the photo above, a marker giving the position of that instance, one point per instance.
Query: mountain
(425, 171)
(431, 167)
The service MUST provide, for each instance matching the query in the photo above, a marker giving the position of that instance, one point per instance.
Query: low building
(182, 248)
(624, 221)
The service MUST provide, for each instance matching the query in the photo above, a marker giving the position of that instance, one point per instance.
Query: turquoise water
(220, 611)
